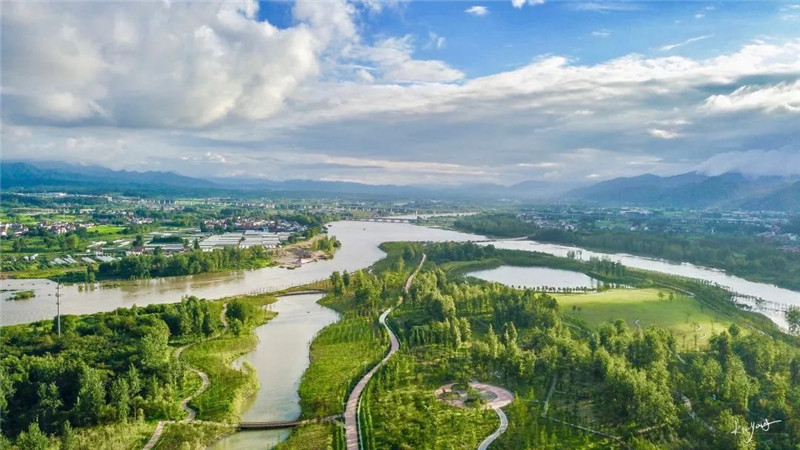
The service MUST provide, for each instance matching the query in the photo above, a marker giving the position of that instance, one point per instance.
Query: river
(360, 242)
(280, 358)
(735, 284)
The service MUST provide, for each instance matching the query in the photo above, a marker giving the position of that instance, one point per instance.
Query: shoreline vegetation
(193, 262)
(111, 374)
(487, 345)
(745, 257)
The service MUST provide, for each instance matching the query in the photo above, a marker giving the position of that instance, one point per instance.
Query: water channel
(282, 352)
(280, 358)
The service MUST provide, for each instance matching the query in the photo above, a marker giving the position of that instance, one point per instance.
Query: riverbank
(111, 376)
(280, 358)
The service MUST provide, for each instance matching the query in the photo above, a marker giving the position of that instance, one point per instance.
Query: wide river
(360, 242)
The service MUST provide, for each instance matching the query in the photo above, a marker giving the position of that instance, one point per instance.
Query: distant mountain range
(28, 175)
(695, 190)
(688, 190)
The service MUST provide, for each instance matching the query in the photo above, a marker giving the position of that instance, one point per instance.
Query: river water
(282, 353)
(280, 358)
(536, 277)
(359, 240)
(359, 249)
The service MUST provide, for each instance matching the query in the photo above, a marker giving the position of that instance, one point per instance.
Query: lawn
(339, 355)
(682, 315)
(316, 436)
(105, 229)
(228, 388)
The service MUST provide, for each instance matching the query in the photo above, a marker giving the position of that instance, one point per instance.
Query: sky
(405, 92)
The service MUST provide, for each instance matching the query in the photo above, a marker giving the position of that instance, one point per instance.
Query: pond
(536, 277)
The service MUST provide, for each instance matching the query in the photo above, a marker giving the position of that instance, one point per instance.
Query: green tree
(19, 245)
(792, 315)
(49, 403)
(72, 243)
(33, 439)
(138, 241)
(120, 398)
(91, 397)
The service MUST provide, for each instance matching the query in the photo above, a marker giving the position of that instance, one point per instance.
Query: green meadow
(682, 315)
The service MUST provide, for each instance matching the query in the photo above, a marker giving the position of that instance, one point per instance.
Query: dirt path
(191, 413)
(351, 422)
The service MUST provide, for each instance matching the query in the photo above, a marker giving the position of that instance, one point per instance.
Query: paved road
(185, 402)
(500, 430)
(351, 409)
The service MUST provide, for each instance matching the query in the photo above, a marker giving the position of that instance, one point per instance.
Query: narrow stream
(281, 357)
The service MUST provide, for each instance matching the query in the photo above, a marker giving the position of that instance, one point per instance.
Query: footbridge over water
(278, 424)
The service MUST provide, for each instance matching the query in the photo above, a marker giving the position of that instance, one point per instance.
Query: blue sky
(406, 92)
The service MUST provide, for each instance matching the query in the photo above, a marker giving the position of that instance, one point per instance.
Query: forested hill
(695, 190)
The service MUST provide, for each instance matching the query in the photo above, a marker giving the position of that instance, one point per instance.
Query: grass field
(339, 354)
(316, 436)
(682, 315)
(228, 388)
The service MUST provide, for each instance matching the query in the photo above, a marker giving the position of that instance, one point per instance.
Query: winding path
(351, 422)
(502, 397)
(500, 430)
(191, 413)
(496, 399)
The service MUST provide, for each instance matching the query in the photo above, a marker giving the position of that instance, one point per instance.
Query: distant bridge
(385, 220)
(281, 424)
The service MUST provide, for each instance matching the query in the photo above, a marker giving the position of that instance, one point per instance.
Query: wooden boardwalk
(351, 420)
(280, 424)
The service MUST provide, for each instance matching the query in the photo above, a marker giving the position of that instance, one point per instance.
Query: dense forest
(105, 368)
(109, 376)
(576, 387)
(189, 263)
(748, 257)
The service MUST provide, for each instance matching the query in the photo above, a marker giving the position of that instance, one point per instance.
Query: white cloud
(602, 7)
(394, 60)
(663, 134)
(781, 97)
(669, 47)
(601, 33)
(699, 16)
(478, 11)
(183, 65)
(208, 82)
(521, 3)
(435, 41)
(753, 163)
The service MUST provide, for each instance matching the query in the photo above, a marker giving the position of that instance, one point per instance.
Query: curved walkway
(496, 398)
(191, 413)
(351, 422)
(500, 430)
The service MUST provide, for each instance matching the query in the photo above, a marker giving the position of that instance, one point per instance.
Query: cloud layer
(212, 89)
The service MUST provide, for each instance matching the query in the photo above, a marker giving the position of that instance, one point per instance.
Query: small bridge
(278, 424)
(385, 220)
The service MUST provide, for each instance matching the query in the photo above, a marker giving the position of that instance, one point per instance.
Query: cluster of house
(244, 239)
(244, 223)
(12, 229)
(17, 229)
